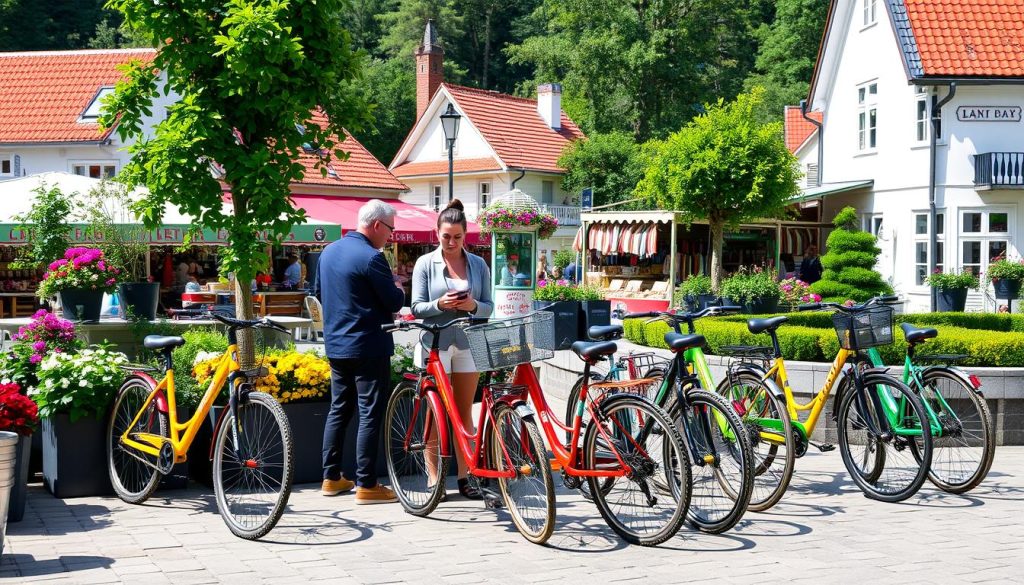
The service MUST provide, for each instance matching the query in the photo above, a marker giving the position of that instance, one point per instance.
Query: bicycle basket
(870, 327)
(510, 342)
(644, 362)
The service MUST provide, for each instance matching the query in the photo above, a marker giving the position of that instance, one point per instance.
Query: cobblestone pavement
(823, 531)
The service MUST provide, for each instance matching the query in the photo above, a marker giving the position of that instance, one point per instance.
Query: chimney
(429, 68)
(549, 104)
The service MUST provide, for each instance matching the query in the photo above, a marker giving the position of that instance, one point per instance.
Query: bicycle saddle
(605, 332)
(761, 325)
(592, 350)
(162, 342)
(680, 342)
(915, 334)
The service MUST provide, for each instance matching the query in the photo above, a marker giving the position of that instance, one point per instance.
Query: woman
(542, 268)
(446, 284)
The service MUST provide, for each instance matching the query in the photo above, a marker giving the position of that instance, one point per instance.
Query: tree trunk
(717, 243)
(244, 310)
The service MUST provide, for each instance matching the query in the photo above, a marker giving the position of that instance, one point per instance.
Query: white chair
(316, 314)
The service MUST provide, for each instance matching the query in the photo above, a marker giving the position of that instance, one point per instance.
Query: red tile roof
(434, 167)
(361, 169)
(44, 93)
(798, 130)
(514, 129)
(983, 38)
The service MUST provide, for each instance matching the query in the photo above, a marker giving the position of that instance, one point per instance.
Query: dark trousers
(361, 382)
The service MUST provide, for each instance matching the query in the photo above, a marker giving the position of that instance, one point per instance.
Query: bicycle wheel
(252, 466)
(134, 481)
(516, 444)
(721, 457)
(861, 425)
(963, 450)
(871, 458)
(570, 414)
(649, 505)
(771, 434)
(415, 463)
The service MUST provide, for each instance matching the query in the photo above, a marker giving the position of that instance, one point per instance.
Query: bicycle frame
(913, 376)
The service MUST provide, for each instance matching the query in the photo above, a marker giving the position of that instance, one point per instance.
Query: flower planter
(141, 298)
(700, 302)
(1006, 289)
(762, 306)
(307, 422)
(567, 315)
(19, 491)
(8, 462)
(75, 457)
(954, 299)
(593, 313)
(80, 304)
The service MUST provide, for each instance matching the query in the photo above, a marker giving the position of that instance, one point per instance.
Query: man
(810, 266)
(569, 273)
(293, 273)
(359, 295)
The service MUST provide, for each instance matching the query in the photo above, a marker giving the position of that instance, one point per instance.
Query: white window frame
(94, 163)
(552, 201)
(92, 111)
(873, 223)
(925, 240)
(9, 159)
(485, 191)
(922, 118)
(985, 237)
(870, 10)
(867, 109)
(435, 196)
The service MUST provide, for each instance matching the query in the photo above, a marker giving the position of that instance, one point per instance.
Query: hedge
(986, 321)
(803, 343)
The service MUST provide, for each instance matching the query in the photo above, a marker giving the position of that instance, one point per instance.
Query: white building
(901, 81)
(501, 139)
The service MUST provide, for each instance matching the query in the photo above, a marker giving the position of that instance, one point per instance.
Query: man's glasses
(390, 227)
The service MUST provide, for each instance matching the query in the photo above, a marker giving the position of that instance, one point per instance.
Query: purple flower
(39, 346)
(36, 358)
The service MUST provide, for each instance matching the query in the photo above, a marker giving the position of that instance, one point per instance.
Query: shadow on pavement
(693, 541)
(29, 567)
(322, 527)
(791, 507)
(754, 526)
(47, 515)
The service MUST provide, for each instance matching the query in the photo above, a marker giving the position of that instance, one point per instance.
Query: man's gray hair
(376, 210)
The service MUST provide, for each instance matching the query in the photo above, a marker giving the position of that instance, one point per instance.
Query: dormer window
(870, 11)
(92, 112)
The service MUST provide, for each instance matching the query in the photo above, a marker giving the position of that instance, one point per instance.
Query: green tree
(109, 35)
(849, 263)
(250, 76)
(47, 226)
(390, 86)
(610, 163)
(723, 167)
(787, 50)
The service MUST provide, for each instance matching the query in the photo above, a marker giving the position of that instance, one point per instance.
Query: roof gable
(797, 128)
(45, 93)
(361, 169)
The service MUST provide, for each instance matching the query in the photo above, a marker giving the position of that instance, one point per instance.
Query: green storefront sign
(169, 235)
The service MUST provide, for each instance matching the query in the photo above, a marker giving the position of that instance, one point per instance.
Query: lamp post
(450, 124)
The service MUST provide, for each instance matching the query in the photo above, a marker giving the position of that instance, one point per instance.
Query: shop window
(514, 261)
(985, 235)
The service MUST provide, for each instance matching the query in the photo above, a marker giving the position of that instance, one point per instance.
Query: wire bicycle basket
(870, 327)
(510, 342)
(643, 363)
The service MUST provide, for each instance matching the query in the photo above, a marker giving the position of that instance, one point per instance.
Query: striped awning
(638, 238)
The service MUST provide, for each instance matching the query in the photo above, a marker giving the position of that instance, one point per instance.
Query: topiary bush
(849, 264)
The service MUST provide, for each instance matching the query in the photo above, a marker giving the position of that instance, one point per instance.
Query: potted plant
(1005, 276)
(18, 415)
(696, 292)
(80, 278)
(756, 290)
(113, 227)
(74, 395)
(501, 216)
(951, 289)
(594, 309)
(561, 298)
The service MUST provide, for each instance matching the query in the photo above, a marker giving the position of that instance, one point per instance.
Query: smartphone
(461, 294)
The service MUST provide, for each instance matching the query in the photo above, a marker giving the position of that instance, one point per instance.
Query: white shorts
(455, 360)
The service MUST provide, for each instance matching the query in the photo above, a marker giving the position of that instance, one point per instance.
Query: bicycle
(614, 448)
(251, 450)
(877, 415)
(963, 440)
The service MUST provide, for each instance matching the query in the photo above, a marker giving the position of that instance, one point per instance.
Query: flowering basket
(18, 413)
(291, 376)
(1003, 268)
(80, 384)
(498, 216)
(80, 268)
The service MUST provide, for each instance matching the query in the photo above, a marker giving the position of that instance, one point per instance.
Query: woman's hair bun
(456, 204)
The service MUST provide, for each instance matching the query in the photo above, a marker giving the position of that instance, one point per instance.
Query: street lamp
(450, 124)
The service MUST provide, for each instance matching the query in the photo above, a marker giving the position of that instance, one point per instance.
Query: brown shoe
(333, 487)
(375, 495)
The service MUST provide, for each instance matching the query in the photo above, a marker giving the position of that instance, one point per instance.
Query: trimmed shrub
(849, 264)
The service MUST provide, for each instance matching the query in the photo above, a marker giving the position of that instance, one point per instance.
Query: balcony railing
(565, 214)
(995, 170)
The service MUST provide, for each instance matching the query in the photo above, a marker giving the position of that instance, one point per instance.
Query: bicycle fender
(160, 398)
(523, 410)
(758, 372)
(956, 372)
(880, 370)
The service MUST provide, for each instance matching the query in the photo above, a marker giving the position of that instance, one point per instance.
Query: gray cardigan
(429, 285)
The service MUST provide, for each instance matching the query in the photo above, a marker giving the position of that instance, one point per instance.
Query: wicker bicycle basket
(870, 327)
(510, 342)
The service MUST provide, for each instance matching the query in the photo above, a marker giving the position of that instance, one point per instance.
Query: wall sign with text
(988, 113)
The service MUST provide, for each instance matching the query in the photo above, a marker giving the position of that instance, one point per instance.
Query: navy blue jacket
(359, 295)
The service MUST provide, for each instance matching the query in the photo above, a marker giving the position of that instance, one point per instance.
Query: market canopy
(413, 225)
(19, 194)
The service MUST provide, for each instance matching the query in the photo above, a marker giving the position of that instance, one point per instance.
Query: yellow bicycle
(252, 441)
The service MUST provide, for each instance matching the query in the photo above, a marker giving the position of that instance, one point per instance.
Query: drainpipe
(933, 238)
(522, 173)
(821, 137)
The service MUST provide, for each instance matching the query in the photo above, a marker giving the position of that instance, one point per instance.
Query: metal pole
(451, 170)
(933, 238)
(672, 261)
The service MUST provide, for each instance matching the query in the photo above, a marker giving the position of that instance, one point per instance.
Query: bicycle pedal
(493, 503)
(825, 447)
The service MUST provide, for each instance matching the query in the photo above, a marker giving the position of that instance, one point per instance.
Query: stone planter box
(567, 316)
(75, 457)
(307, 423)
(951, 300)
(1006, 289)
(142, 298)
(81, 304)
(19, 491)
(593, 313)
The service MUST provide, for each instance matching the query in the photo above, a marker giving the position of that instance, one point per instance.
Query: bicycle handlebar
(683, 316)
(879, 300)
(407, 325)
(229, 321)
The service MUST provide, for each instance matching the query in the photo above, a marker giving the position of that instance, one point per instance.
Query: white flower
(94, 277)
(83, 383)
(64, 382)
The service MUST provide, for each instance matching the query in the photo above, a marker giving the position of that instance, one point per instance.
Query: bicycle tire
(674, 459)
(771, 434)
(133, 481)
(570, 414)
(853, 429)
(872, 461)
(257, 410)
(525, 447)
(972, 433)
(410, 476)
(733, 472)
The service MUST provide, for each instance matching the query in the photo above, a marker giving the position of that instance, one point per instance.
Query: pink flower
(36, 358)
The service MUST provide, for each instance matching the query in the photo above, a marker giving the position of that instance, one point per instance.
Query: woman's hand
(449, 302)
(467, 304)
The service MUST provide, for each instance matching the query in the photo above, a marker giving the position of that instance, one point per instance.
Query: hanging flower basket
(501, 217)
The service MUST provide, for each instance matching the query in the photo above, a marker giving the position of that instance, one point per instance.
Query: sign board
(512, 302)
(175, 234)
(587, 199)
(988, 113)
